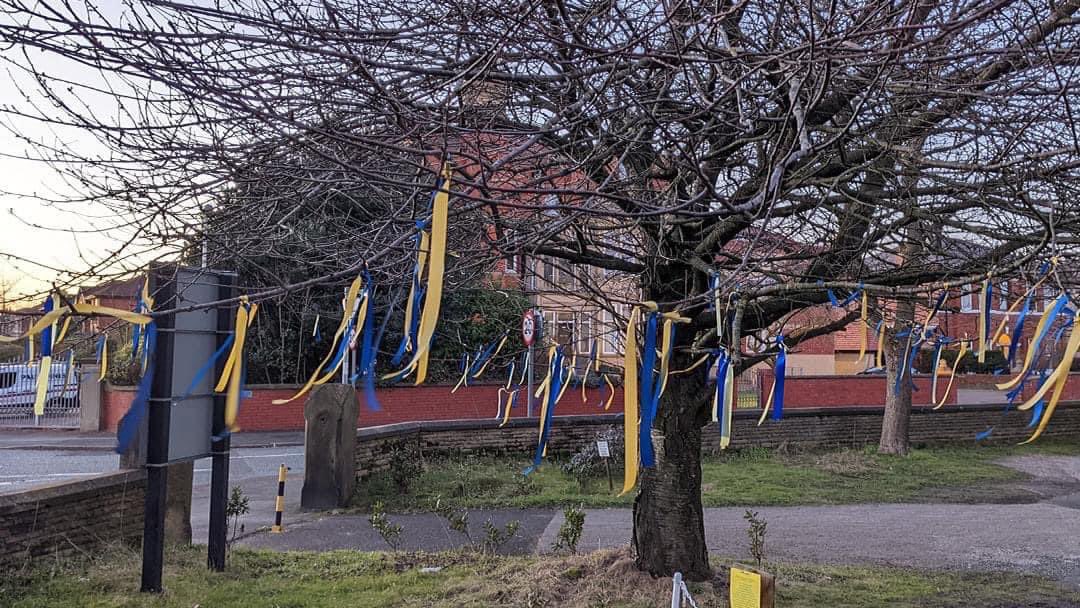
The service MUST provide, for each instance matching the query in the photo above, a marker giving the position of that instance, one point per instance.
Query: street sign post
(531, 330)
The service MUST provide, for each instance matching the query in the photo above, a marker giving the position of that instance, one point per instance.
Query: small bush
(405, 466)
(235, 508)
(495, 537)
(570, 530)
(756, 533)
(586, 462)
(390, 532)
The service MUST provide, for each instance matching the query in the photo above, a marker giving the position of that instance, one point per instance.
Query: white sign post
(604, 450)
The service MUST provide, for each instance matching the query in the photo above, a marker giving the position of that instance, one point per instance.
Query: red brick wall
(845, 391)
(434, 402)
(399, 404)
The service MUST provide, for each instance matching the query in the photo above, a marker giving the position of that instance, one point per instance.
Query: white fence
(18, 389)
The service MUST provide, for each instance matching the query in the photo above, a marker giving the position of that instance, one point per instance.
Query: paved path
(1039, 538)
(73, 440)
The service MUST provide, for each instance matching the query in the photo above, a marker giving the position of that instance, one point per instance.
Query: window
(613, 332)
(967, 299)
(512, 264)
(564, 276)
(1003, 296)
(585, 336)
(564, 331)
(548, 274)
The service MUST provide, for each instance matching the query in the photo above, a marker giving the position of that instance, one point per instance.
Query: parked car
(18, 387)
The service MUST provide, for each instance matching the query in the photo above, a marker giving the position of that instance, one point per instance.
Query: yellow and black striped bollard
(280, 507)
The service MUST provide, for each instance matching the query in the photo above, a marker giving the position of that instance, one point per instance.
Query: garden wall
(823, 427)
(70, 518)
(398, 404)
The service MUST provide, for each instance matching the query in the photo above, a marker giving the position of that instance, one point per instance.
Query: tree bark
(894, 425)
(669, 524)
(896, 421)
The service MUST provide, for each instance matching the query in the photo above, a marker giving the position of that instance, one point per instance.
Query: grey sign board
(194, 343)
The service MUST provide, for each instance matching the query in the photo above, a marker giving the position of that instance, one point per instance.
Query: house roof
(120, 288)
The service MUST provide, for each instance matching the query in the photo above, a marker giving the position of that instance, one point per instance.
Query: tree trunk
(898, 404)
(897, 418)
(669, 526)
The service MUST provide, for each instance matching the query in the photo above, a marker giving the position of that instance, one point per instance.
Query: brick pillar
(89, 399)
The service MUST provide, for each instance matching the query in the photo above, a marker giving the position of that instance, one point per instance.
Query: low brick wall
(71, 518)
(397, 404)
(823, 427)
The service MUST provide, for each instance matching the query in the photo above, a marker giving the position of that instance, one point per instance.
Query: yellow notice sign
(745, 589)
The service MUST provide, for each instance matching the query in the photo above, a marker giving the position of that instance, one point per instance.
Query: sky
(37, 242)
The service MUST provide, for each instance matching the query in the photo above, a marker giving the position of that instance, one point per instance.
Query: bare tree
(901, 148)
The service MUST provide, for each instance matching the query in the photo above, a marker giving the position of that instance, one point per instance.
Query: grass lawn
(262, 579)
(748, 477)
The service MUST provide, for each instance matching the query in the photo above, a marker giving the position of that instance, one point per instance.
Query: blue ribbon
(46, 334)
(647, 392)
(1014, 344)
(778, 394)
(714, 284)
(132, 420)
(986, 311)
(205, 369)
(984, 434)
(1036, 413)
(553, 396)
(100, 349)
(368, 350)
(409, 333)
(483, 356)
(721, 378)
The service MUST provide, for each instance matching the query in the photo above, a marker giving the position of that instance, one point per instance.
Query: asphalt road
(255, 470)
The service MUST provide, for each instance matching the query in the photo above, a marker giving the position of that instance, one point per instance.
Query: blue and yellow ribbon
(433, 297)
(232, 372)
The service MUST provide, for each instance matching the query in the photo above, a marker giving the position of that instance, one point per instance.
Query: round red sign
(528, 327)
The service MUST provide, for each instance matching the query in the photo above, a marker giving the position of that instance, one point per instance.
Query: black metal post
(157, 454)
(219, 451)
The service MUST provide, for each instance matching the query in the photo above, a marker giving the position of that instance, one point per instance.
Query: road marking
(44, 475)
(267, 456)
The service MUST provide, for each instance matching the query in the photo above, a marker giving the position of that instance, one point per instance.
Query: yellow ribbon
(104, 359)
(729, 402)
(544, 392)
(436, 269)
(232, 372)
(863, 328)
(1058, 378)
(421, 264)
(356, 327)
(983, 328)
(53, 316)
(611, 393)
(879, 356)
(350, 303)
(630, 403)
(1028, 357)
(952, 375)
(464, 377)
(63, 331)
(768, 402)
(670, 318)
(693, 366)
(44, 369)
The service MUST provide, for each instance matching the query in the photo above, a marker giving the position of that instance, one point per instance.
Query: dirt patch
(602, 578)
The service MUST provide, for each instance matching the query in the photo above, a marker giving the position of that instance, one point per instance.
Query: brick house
(838, 353)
